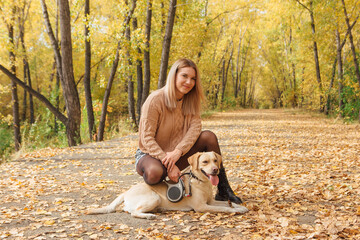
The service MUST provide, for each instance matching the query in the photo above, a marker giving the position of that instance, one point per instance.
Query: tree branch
(82, 76)
(38, 95)
(348, 32)
(53, 40)
(303, 5)
(229, 11)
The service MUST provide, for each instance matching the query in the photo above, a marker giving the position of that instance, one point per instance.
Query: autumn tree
(14, 92)
(87, 74)
(166, 44)
(147, 75)
(310, 10)
(100, 134)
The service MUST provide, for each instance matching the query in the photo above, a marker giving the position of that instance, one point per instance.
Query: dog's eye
(205, 162)
(215, 160)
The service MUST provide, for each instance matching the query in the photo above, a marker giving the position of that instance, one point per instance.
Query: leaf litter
(298, 174)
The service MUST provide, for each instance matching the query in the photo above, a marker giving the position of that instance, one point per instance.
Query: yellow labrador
(142, 198)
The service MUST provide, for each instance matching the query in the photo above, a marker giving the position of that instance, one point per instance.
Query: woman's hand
(171, 158)
(174, 174)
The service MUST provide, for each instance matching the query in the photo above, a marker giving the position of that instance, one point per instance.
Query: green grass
(6, 141)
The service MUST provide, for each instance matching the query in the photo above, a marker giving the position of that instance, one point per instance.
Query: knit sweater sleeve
(148, 126)
(191, 135)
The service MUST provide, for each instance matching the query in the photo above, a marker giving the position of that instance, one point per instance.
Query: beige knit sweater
(162, 130)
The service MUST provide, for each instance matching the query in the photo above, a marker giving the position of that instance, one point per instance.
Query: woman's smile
(185, 81)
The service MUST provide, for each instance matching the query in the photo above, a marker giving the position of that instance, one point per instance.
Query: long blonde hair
(192, 100)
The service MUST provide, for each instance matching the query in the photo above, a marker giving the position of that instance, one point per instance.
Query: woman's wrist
(178, 152)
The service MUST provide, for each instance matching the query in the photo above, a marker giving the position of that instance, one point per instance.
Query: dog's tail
(110, 208)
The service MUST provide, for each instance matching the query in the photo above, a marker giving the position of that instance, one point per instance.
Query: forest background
(78, 71)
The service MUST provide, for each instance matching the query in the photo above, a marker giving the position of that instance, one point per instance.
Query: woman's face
(184, 81)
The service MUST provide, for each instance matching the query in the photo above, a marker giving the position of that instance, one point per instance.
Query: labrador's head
(207, 163)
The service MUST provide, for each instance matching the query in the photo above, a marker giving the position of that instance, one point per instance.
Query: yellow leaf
(256, 236)
(100, 186)
(93, 236)
(42, 212)
(49, 222)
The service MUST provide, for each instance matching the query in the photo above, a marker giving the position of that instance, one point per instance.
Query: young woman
(170, 130)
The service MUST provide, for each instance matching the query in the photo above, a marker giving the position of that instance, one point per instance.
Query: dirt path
(299, 175)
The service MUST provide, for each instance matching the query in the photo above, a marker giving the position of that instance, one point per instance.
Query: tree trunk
(100, 133)
(147, 76)
(57, 85)
(87, 74)
(340, 68)
(225, 76)
(53, 40)
(328, 97)
(31, 101)
(223, 80)
(353, 50)
(216, 89)
(101, 129)
(129, 77)
(252, 91)
(244, 96)
(24, 110)
(166, 44)
(57, 101)
(14, 92)
(205, 32)
(315, 50)
(351, 38)
(328, 100)
(21, 20)
(237, 68)
(22, 16)
(294, 104)
(68, 83)
(163, 16)
(243, 66)
(139, 79)
(316, 56)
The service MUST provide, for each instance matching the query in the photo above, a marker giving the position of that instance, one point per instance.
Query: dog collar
(191, 176)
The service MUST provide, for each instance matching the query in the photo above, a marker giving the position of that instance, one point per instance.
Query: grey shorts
(138, 155)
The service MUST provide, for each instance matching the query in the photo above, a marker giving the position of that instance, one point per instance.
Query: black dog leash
(191, 175)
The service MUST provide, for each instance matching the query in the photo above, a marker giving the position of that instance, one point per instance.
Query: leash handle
(190, 176)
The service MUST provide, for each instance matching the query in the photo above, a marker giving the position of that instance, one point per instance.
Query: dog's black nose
(215, 171)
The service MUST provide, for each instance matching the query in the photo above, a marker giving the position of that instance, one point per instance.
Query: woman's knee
(154, 175)
(209, 141)
(208, 136)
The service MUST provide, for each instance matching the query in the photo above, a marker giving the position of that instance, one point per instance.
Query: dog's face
(207, 163)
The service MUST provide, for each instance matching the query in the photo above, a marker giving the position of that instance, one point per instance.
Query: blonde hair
(192, 100)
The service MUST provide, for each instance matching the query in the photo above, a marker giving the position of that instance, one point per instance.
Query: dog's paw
(89, 212)
(151, 216)
(241, 209)
(143, 215)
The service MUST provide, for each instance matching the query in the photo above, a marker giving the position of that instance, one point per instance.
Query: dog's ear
(193, 160)
(218, 157)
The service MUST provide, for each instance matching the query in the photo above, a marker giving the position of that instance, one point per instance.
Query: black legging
(154, 172)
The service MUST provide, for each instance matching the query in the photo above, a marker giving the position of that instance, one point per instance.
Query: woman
(170, 130)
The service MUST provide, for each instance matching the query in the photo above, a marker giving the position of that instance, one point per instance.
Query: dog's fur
(142, 198)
